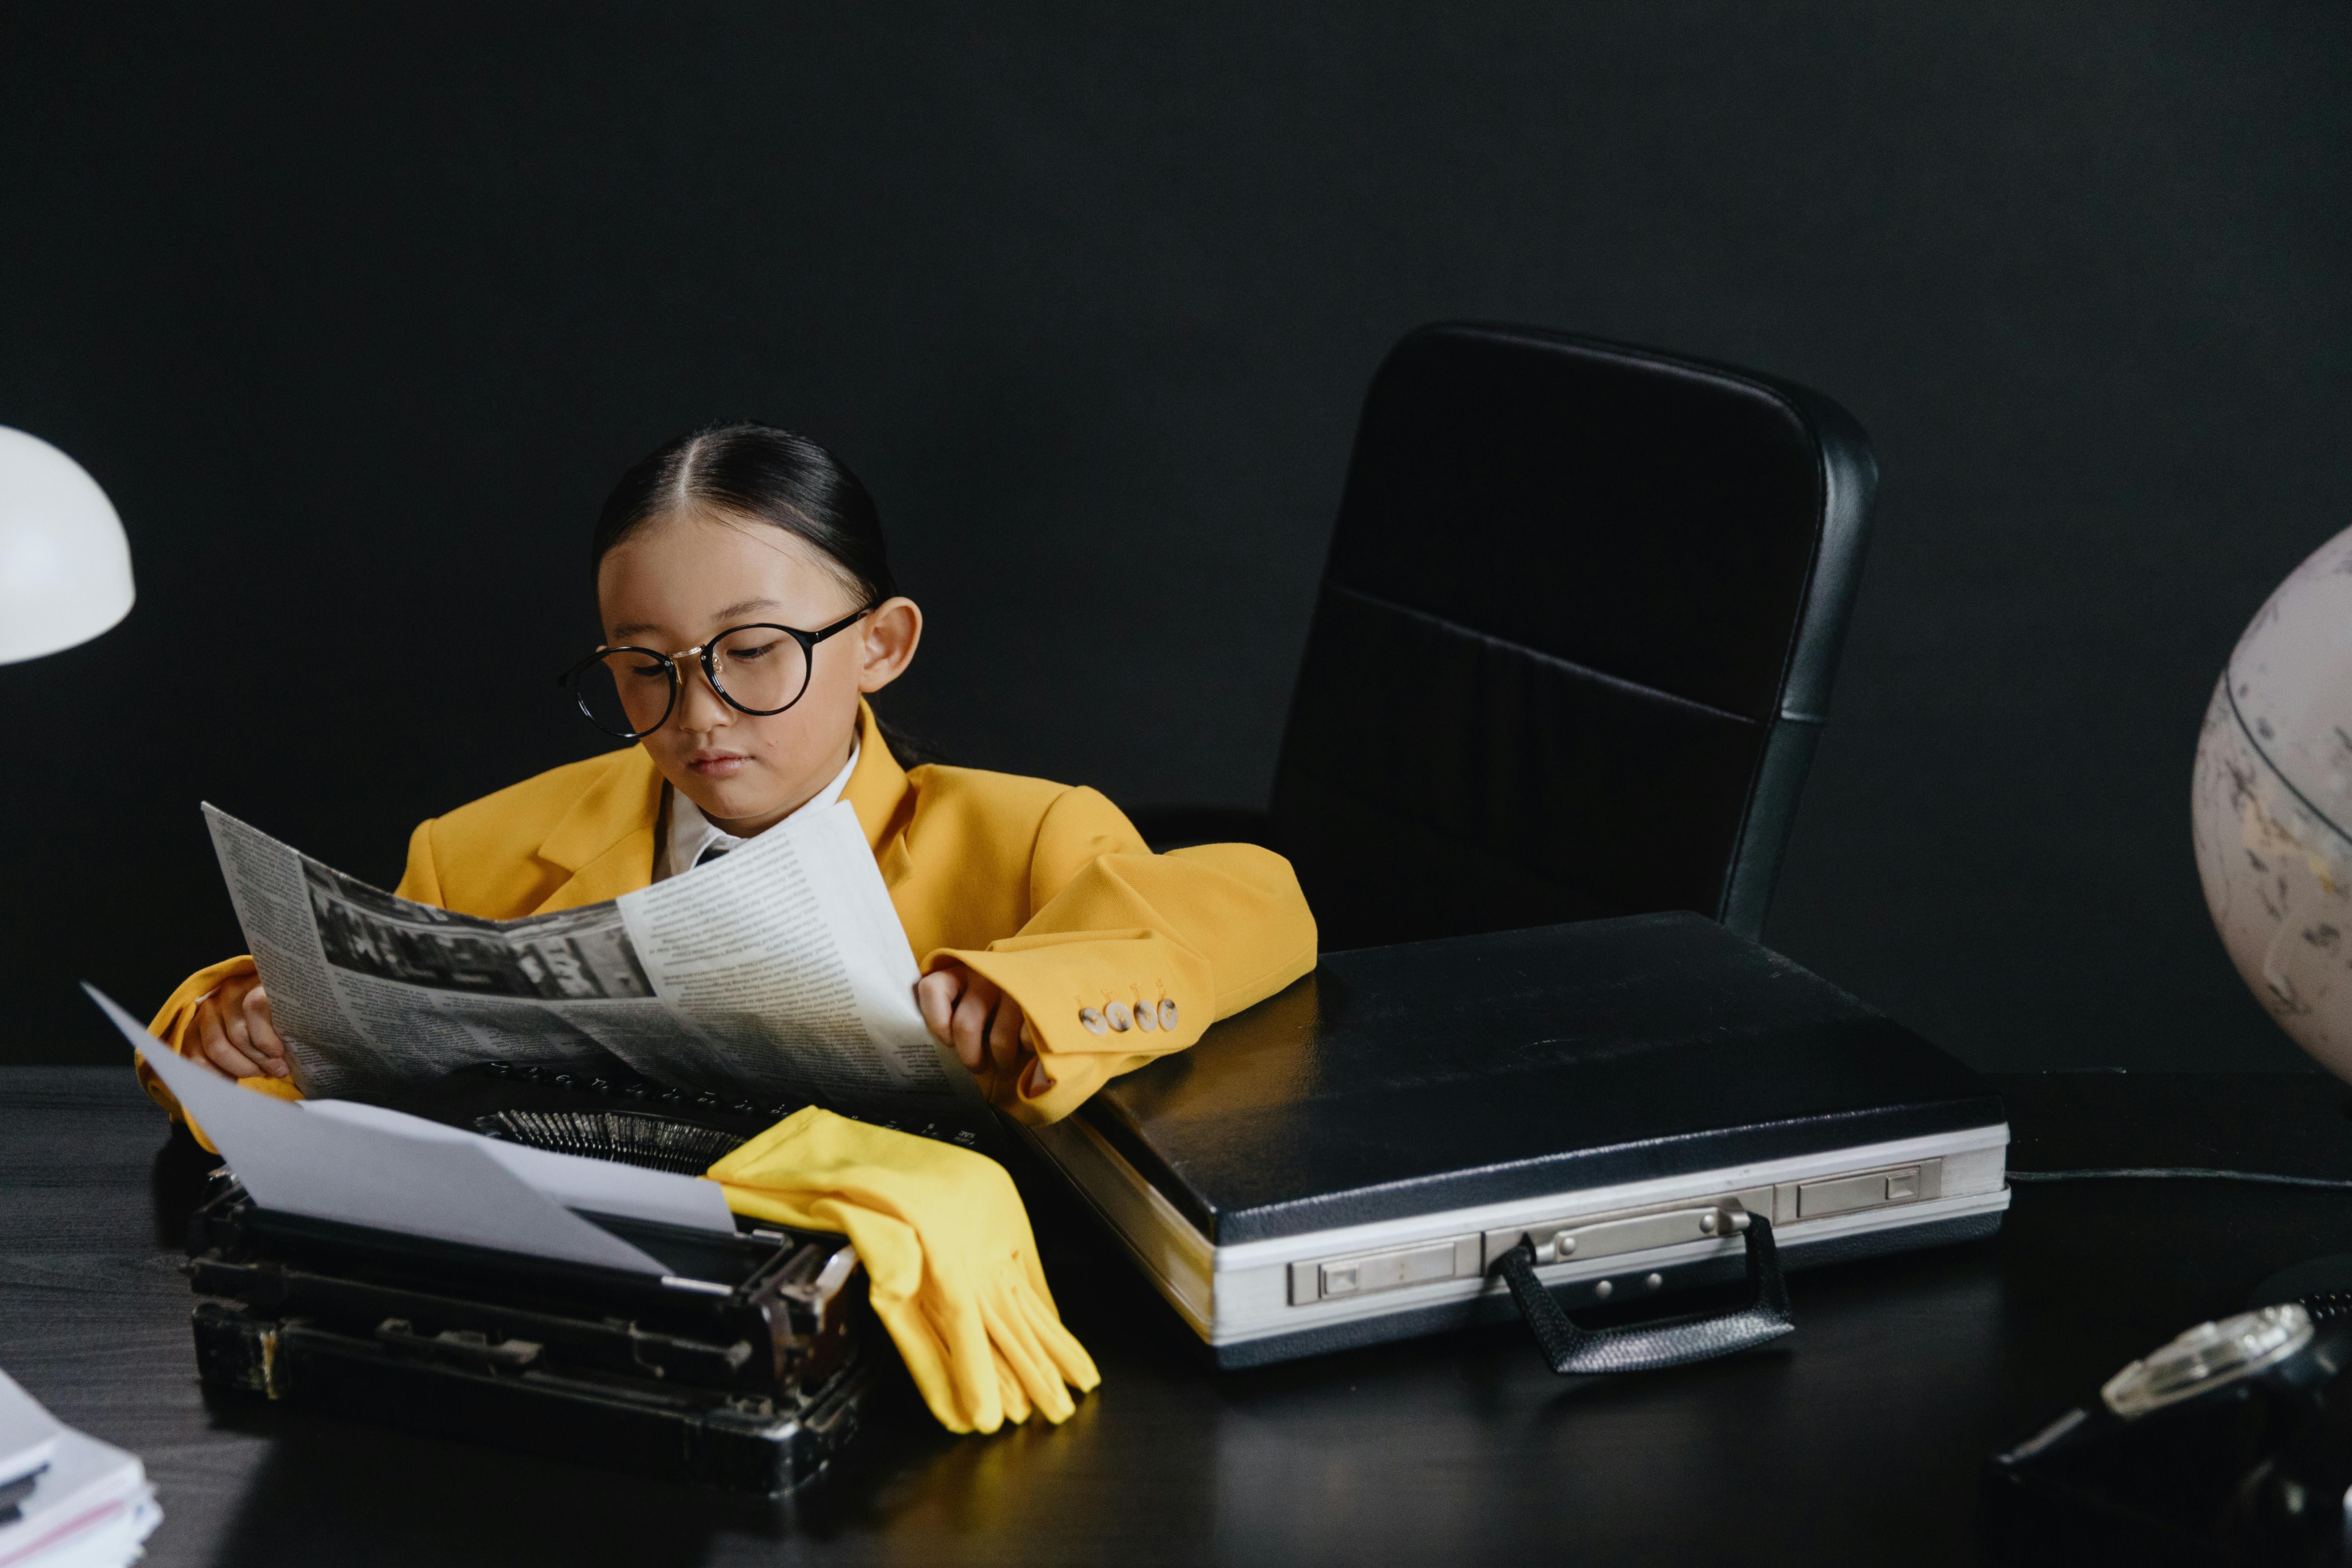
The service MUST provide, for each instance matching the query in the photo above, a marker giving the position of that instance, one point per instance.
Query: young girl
(748, 611)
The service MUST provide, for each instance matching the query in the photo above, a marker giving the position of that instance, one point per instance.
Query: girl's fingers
(217, 1053)
(262, 1042)
(935, 995)
(971, 1027)
(232, 1063)
(1004, 1034)
(971, 1017)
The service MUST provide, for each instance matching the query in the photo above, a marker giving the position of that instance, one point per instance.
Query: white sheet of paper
(92, 1496)
(329, 1168)
(600, 1186)
(28, 1433)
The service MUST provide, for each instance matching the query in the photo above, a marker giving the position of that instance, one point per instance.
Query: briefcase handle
(1668, 1342)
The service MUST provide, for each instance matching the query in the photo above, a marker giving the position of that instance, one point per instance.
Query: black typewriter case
(749, 1367)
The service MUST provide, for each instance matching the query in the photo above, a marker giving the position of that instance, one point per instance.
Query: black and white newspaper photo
(780, 971)
(568, 955)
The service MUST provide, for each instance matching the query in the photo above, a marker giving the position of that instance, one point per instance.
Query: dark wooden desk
(1858, 1442)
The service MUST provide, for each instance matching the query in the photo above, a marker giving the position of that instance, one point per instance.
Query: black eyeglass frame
(705, 653)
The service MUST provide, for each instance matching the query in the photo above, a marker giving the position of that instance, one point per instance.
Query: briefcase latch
(1390, 1268)
(1605, 1235)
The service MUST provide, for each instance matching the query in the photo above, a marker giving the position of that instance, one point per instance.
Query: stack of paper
(66, 1500)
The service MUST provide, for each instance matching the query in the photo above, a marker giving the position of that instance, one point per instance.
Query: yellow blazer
(1046, 889)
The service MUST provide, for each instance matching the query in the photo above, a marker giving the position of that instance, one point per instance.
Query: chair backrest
(1575, 641)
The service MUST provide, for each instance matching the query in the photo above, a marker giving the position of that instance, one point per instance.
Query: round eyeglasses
(761, 670)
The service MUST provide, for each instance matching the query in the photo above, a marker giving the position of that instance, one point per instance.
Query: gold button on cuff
(1120, 1018)
(1167, 1013)
(1093, 1021)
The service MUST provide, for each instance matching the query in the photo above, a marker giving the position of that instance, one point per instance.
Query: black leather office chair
(1574, 645)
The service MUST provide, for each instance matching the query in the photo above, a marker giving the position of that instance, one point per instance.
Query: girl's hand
(966, 1012)
(234, 1034)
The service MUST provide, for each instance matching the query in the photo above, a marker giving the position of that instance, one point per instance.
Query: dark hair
(747, 469)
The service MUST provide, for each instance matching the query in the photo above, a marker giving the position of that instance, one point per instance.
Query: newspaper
(778, 971)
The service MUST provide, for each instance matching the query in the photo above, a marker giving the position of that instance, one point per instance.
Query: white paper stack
(28, 1439)
(90, 1505)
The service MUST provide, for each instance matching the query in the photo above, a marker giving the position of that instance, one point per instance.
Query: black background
(356, 313)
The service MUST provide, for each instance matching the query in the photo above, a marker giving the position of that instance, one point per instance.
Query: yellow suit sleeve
(173, 1022)
(420, 879)
(1212, 930)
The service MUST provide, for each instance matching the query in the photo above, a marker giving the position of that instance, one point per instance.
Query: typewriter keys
(617, 1114)
(631, 1137)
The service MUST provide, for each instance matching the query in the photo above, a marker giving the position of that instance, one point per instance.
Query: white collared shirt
(691, 833)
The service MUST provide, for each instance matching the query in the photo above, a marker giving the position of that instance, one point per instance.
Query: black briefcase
(1577, 1117)
(746, 1368)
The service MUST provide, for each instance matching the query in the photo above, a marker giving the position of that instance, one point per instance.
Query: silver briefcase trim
(1250, 1291)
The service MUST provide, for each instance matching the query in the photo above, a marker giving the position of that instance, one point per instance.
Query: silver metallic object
(1721, 1217)
(2209, 1356)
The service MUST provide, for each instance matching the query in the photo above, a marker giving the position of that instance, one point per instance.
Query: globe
(2272, 802)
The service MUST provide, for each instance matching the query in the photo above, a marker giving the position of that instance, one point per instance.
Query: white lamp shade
(65, 567)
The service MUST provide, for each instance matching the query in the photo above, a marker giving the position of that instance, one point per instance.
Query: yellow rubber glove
(951, 1264)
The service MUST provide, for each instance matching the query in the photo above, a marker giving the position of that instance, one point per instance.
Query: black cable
(2186, 1173)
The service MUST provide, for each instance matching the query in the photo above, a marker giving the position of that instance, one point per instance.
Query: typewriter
(749, 1366)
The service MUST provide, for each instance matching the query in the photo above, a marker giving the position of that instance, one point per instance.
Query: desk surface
(1858, 1441)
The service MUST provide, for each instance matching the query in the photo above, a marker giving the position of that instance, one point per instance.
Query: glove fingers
(1010, 1333)
(1017, 1349)
(1056, 1346)
(958, 1325)
(1035, 1273)
(944, 1347)
(951, 1261)
(1070, 1358)
(931, 1367)
(1008, 1384)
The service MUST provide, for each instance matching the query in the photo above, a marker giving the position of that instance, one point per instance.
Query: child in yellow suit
(748, 610)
